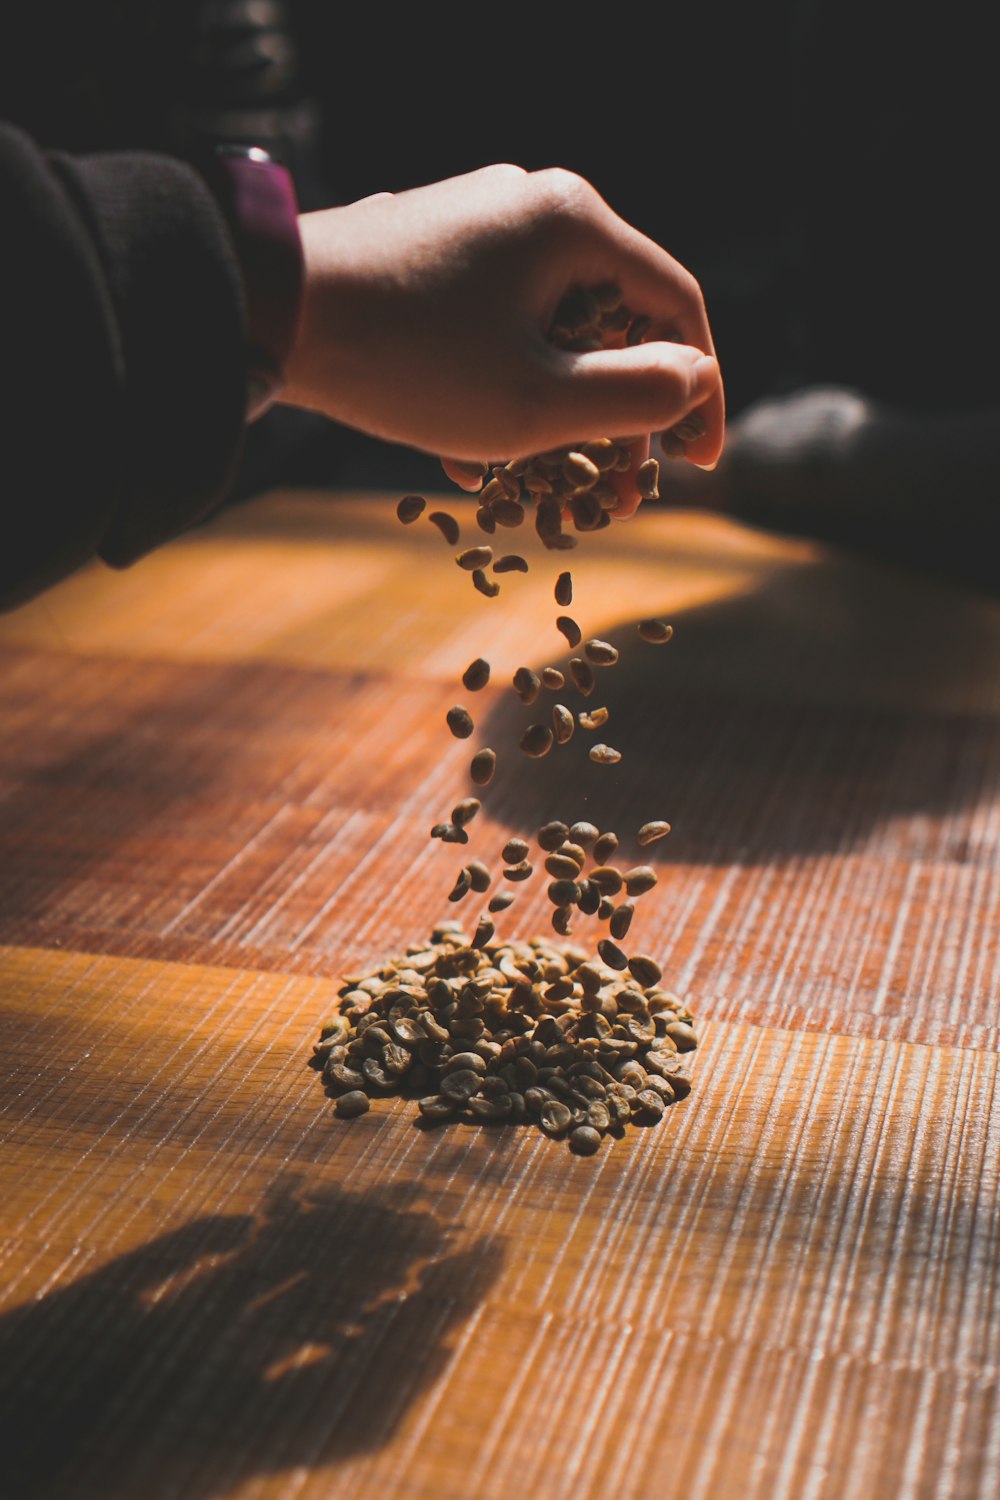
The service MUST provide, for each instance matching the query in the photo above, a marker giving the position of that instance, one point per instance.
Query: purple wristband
(258, 198)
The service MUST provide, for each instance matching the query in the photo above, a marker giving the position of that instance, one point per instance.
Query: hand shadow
(234, 1347)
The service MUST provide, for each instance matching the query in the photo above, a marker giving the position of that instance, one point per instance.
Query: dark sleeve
(121, 308)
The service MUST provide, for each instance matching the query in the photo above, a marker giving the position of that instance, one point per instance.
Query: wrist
(258, 198)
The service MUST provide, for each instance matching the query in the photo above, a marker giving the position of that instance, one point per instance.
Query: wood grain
(217, 775)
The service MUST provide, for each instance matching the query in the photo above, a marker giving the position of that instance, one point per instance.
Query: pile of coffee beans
(515, 1033)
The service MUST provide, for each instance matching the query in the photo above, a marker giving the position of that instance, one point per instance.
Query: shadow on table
(235, 1347)
(797, 717)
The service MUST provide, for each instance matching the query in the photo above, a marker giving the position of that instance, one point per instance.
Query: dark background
(827, 170)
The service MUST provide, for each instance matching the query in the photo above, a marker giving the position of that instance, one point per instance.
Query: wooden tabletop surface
(218, 771)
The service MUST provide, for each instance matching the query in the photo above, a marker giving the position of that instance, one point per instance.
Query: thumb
(639, 389)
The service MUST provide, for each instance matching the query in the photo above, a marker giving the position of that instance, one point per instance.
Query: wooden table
(219, 770)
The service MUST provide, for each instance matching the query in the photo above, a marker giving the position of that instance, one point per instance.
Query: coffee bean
(561, 916)
(436, 1107)
(612, 954)
(564, 893)
(460, 722)
(583, 834)
(501, 901)
(584, 1140)
(462, 886)
(604, 847)
(485, 520)
(604, 755)
(356, 1102)
(461, 1085)
(690, 428)
(650, 832)
(672, 445)
(608, 879)
(593, 720)
(508, 513)
(564, 590)
(410, 507)
(465, 811)
(483, 765)
(514, 850)
(475, 557)
(647, 479)
(621, 920)
(527, 684)
(551, 835)
(563, 724)
(657, 632)
(576, 852)
(582, 674)
(536, 741)
(555, 1117)
(485, 585)
(682, 1035)
(562, 868)
(447, 525)
(512, 562)
(640, 879)
(476, 675)
(570, 629)
(552, 679)
(521, 871)
(479, 876)
(601, 653)
(590, 898)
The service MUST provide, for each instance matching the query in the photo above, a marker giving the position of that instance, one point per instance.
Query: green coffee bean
(621, 920)
(485, 585)
(475, 557)
(536, 741)
(644, 970)
(465, 811)
(476, 675)
(657, 632)
(604, 755)
(356, 1102)
(447, 525)
(570, 629)
(612, 954)
(460, 722)
(640, 879)
(482, 767)
(582, 674)
(563, 724)
(527, 684)
(409, 508)
(647, 479)
(604, 847)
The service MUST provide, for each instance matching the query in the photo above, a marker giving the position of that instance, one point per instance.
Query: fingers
(467, 474)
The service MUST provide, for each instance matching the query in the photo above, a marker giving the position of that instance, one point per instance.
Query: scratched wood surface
(217, 775)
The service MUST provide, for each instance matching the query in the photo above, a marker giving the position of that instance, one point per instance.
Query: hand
(426, 313)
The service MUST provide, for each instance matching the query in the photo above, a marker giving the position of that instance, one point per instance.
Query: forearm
(122, 309)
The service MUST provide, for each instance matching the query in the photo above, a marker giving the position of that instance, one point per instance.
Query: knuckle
(563, 194)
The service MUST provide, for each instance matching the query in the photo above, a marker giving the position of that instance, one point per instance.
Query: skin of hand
(426, 312)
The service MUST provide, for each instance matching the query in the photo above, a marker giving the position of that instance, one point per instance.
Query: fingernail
(704, 372)
(709, 468)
